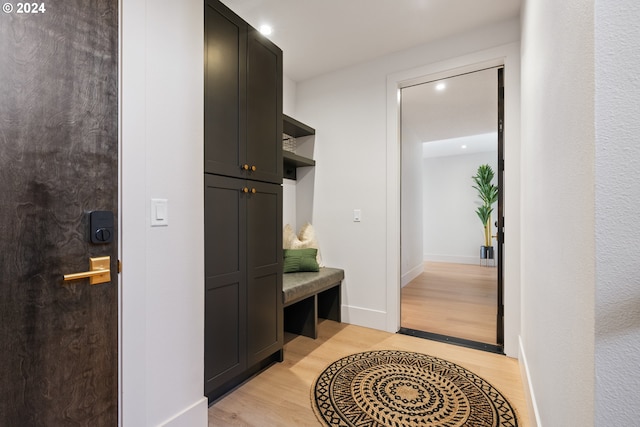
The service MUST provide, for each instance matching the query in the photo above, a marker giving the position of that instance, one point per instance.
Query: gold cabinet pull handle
(253, 168)
(245, 189)
(245, 167)
(100, 271)
(253, 191)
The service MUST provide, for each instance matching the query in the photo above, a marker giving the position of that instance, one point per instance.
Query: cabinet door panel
(223, 247)
(225, 280)
(264, 258)
(264, 210)
(264, 332)
(225, 90)
(264, 108)
(224, 355)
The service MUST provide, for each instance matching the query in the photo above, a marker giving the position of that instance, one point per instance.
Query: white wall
(617, 198)
(298, 195)
(289, 186)
(349, 109)
(288, 96)
(558, 205)
(289, 203)
(162, 307)
(453, 232)
(412, 259)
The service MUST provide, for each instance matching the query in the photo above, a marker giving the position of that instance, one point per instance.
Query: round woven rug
(400, 388)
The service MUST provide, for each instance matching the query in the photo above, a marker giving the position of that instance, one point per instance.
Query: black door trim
(476, 345)
(500, 231)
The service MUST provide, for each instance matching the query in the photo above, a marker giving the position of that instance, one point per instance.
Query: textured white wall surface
(558, 209)
(617, 307)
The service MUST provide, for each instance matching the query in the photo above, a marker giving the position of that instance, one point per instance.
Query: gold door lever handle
(100, 271)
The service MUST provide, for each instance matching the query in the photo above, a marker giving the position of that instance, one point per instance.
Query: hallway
(280, 395)
(457, 300)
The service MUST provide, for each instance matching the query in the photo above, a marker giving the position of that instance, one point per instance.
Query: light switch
(357, 215)
(159, 212)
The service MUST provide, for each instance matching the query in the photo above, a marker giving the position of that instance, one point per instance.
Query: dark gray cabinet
(225, 93)
(264, 270)
(264, 109)
(242, 201)
(243, 99)
(243, 279)
(225, 237)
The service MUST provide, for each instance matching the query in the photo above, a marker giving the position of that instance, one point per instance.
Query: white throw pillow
(307, 239)
(289, 237)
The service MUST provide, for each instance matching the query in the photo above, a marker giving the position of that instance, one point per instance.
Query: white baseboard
(364, 317)
(195, 415)
(455, 259)
(411, 274)
(534, 415)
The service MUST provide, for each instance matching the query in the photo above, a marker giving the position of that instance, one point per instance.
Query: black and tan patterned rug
(400, 388)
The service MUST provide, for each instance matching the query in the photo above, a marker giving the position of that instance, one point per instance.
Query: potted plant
(488, 193)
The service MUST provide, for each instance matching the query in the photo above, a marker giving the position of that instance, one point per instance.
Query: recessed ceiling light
(266, 29)
(464, 147)
(440, 86)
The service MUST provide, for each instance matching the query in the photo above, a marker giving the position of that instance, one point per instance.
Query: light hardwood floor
(280, 395)
(458, 300)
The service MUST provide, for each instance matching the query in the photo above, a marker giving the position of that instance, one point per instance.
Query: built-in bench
(308, 296)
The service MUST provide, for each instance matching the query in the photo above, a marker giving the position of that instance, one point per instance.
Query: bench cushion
(297, 286)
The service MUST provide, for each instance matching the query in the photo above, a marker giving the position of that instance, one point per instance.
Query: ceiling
(320, 36)
(464, 113)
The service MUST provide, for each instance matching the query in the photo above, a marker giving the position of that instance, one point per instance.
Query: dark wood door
(264, 109)
(225, 280)
(264, 258)
(225, 91)
(58, 162)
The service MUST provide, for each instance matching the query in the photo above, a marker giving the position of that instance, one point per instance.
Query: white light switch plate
(159, 212)
(357, 215)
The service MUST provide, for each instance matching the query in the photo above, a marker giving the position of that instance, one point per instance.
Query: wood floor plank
(281, 395)
(458, 300)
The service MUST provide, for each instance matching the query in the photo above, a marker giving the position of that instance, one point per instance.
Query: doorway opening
(451, 288)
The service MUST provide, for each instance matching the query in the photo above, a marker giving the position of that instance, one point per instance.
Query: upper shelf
(292, 161)
(294, 128)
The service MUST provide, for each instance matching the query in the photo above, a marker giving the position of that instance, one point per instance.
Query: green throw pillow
(300, 260)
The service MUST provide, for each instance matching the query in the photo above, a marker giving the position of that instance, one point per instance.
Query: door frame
(498, 344)
(508, 56)
(500, 213)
